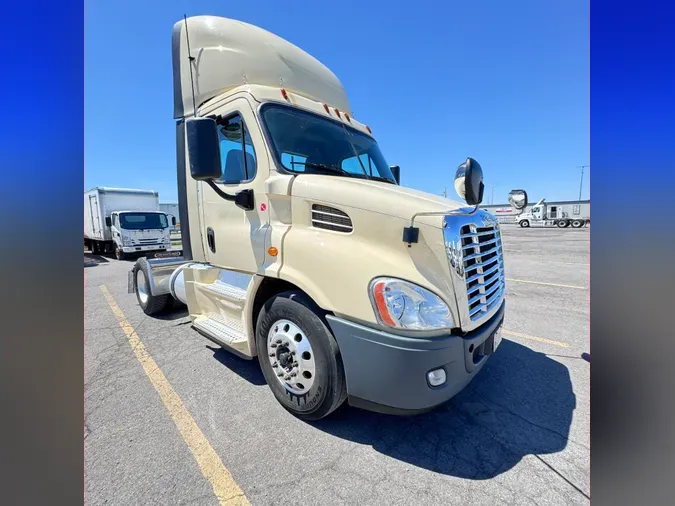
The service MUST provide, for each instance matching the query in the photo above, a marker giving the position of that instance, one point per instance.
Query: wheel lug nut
(273, 345)
(292, 353)
(295, 364)
(280, 374)
(294, 374)
(275, 364)
(272, 354)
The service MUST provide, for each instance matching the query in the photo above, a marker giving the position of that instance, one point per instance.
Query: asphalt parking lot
(518, 434)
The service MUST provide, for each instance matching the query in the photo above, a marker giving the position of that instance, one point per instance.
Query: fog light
(436, 377)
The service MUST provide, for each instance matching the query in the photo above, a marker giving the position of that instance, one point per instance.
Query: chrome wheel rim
(140, 287)
(291, 356)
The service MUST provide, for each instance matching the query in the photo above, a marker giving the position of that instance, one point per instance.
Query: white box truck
(125, 221)
(301, 247)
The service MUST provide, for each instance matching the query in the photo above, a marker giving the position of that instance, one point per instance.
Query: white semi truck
(300, 246)
(558, 215)
(125, 221)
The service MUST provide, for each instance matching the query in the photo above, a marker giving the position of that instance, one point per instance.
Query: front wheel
(150, 304)
(524, 224)
(299, 356)
(119, 254)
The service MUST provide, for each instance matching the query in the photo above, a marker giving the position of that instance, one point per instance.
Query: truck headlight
(126, 241)
(404, 305)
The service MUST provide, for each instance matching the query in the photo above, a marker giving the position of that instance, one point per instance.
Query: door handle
(211, 239)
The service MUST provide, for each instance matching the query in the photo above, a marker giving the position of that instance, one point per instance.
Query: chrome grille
(483, 268)
(330, 218)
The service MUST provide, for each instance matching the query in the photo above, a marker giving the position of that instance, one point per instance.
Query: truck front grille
(330, 218)
(483, 268)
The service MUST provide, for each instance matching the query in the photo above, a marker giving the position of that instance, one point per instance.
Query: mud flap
(130, 281)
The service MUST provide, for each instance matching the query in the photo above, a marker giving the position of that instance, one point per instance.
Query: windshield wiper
(327, 168)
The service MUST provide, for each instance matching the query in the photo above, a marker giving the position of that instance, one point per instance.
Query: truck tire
(299, 356)
(119, 254)
(577, 223)
(524, 223)
(563, 223)
(150, 304)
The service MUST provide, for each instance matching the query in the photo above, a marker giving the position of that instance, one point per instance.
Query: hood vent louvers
(330, 218)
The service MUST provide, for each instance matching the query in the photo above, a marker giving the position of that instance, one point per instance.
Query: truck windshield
(141, 221)
(306, 143)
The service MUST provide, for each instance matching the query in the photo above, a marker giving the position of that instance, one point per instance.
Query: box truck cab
(139, 232)
(302, 249)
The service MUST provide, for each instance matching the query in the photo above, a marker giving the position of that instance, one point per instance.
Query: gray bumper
(388, 373)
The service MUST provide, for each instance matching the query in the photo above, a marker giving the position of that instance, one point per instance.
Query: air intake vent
(330, 218)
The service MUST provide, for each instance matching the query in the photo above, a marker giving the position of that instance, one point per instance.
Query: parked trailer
(124, 221)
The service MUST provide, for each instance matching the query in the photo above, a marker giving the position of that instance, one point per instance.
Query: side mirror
(108, 221)
(518, 199)
(469, 182)
(173, 221)
(203, 148)
(396, 172)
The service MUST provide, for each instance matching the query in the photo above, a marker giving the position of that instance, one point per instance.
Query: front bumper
(148, 247)
(388, 373)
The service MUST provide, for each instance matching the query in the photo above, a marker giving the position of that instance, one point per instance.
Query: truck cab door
(234, 238)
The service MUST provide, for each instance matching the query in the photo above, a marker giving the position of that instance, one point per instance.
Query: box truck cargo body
(124, 221)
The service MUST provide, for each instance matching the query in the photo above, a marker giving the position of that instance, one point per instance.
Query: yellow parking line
(535, 338)
(224, 487)
(547, 284)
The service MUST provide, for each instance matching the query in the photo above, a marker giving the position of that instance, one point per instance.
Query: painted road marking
(535, 338)
(546, 284)
(224, 487)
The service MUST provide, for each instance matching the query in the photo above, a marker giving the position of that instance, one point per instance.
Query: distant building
(558, 209)
(172, 209)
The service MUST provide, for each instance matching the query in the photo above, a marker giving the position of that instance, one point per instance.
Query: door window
(237, 156)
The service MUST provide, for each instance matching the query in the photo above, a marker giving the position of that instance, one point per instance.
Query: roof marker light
(348, 118)
(284, 93)
(326, 108)
(336, 111)
(369, 130)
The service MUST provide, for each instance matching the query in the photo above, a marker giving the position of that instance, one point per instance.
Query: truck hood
(375, 196)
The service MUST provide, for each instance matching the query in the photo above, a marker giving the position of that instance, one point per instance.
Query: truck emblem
(263, 206)
(488, 220)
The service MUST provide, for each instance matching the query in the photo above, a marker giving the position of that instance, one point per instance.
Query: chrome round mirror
(518, 199)
(469, 182)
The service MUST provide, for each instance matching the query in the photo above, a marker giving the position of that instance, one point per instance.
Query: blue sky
(506, 83)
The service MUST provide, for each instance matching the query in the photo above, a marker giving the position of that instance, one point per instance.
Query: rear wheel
(524, 223)
(150, 304)
(299, 356)
(577, 223)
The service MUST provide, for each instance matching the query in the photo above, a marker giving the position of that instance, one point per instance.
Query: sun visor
(226, 53)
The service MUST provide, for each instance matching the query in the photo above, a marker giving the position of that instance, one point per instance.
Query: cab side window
(237, 156)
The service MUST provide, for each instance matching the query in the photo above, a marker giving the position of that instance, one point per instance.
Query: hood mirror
(469, 182)
(518, 199)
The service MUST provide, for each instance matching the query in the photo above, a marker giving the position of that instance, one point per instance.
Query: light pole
(492, 198)
(581, 184)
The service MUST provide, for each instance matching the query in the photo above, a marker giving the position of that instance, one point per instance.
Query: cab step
(225, 331)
